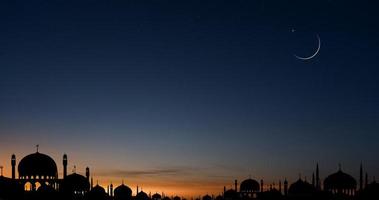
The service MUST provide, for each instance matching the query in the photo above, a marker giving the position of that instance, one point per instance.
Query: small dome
(340, 180)
(207, 197)
(301, 188)
(156, 196)
(122, 192)
(142, 196)
(75, 183)
(37, 164)
(249, 185)
(177, 198)
(97, 193)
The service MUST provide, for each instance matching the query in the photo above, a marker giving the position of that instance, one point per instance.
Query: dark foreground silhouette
(38, 180)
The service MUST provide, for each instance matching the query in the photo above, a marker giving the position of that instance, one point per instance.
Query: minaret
(235, 185)
(13, 162)
(261, 185)
(285, 187)
(318, 185)
(64, 166)
(280, 186)
(111, 190)
(87, 174)
(361, 177)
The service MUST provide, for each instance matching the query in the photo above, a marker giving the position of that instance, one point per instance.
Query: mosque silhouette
(38, 179)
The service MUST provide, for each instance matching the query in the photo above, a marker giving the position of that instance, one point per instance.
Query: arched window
(28, 186)
(37, 184)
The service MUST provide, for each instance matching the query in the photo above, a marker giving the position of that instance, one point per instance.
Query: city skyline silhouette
(184, 97)
(36, 177)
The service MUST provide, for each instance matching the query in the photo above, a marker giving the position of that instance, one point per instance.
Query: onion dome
(207, 197)
(97, 193)
(339, 181)
(156, 196)
(301, 187)
(122, 192)
(249, 185)
(142, 196)
(38, 164)
(75, 183)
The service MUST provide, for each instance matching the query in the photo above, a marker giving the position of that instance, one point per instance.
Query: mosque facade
(37, 178)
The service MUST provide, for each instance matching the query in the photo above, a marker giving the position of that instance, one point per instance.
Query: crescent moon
(314, 54)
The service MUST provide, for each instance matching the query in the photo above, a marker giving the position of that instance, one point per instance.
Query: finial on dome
(339, 166)
(37, 147)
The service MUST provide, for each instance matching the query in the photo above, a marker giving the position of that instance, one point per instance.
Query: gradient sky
(186, 96)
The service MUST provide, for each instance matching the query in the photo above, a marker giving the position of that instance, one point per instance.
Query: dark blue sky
(192, 84)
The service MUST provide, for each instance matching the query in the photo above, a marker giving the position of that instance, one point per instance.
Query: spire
(37, 147)
(361, 178)
(318, 185)
(339, 167)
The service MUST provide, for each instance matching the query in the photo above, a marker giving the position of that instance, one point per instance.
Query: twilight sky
(186, 96)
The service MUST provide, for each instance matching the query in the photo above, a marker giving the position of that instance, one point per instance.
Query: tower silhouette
(13, 162)
(361, 177)
(318, 184)
(285, 187)
(64, 166)
(87, 173)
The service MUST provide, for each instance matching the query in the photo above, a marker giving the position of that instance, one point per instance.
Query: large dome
(38, 164)
(340, 180)
(249, 185)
